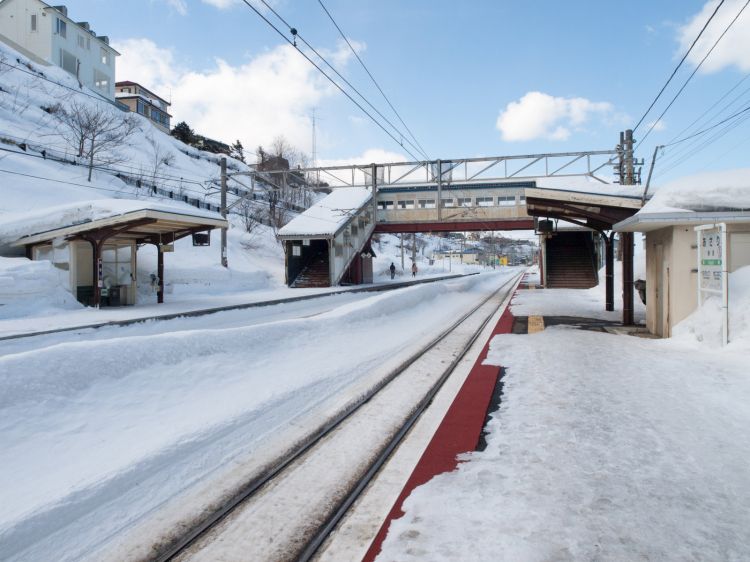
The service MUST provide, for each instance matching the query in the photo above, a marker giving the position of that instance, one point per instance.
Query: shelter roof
(124, 218)
(646, 222)
(599, 210)
(329, 215)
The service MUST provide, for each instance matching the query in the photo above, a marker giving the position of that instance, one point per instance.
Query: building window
(464, 201)
(61, 28)
(33, 22)
(447, 202)
(409, 204)
(104, 55)
(521, 199)
(81, 42)
(385, 205)
(506, 200)
(426, 203)
(101, 81)
(88, 43)
(68, 62)
(484, 201)
(296, 250)
(142, 108)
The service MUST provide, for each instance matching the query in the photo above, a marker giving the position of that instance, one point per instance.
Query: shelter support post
(160, 274)
(626, 242)
(96, 246)
(609, 275)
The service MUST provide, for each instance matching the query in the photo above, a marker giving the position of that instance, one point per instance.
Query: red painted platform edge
(458, 433)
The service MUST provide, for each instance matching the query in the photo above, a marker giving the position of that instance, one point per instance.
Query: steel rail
(180, 545)
(324, 532)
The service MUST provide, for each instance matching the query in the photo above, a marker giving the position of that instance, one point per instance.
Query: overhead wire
(728, 127)
(678, 66)
(331, 80)
(726, 29)
(367, 70)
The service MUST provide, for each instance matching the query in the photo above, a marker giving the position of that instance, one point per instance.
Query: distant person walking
(414, 269)
(393, 270)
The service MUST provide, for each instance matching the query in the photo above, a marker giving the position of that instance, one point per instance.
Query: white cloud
(540, 116)
(179, 6)
(221, 4)
(732, 50)
(659, 125)
(270, 95)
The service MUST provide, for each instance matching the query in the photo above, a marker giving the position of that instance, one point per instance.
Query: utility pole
(402, 251)
(224, 260)
(626, 238)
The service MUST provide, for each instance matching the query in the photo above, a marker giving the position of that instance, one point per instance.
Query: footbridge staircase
(329, 243)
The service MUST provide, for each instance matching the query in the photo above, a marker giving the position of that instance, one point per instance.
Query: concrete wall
(15, 23)
(46, 43)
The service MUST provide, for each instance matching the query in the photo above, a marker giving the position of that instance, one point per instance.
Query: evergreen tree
(183, 132)
(238, 151)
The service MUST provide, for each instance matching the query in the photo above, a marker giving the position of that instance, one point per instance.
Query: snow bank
(30, 288)
(710, 191)
(704, 325)
(80, 457)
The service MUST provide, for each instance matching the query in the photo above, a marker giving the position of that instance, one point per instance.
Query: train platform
(604, 449)
(455, 426)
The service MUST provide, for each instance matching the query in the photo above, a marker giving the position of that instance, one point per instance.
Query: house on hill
(144, 102)
(48, 36)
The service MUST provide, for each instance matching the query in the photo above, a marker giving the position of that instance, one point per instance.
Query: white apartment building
(47, 35)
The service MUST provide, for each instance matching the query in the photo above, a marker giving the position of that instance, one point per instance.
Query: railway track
(287, 511)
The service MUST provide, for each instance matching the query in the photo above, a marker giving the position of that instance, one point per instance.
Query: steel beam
(455, 226)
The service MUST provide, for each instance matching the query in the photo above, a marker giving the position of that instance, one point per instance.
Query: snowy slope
(29, 183)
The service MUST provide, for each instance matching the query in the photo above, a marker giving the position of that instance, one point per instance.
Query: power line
(727, 128)
(295, 33)
(331, 80)
(40, 76)
(694, 71)
(744, 110)
(371, 76)
(717, 102)
(677, 67)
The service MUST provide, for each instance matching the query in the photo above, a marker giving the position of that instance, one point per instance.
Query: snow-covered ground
(80, 459)
(605, 447)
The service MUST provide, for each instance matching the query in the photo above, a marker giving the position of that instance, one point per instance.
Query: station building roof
(327, 216)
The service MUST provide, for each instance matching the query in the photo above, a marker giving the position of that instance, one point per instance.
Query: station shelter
(97, 242)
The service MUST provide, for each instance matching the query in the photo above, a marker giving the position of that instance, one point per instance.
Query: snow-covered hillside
(39, 169)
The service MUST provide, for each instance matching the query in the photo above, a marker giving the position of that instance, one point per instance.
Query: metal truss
(465, 170)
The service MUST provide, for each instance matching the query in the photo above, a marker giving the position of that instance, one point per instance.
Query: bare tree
(160, 157)
(95, 132)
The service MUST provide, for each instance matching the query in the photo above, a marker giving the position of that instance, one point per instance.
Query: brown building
(143, 101)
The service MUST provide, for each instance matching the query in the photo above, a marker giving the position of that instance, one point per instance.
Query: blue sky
(562, 75)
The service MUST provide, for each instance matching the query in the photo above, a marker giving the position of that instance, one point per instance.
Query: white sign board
(712, 269)
(711, 260)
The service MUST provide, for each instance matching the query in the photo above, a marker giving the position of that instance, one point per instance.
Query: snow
(32, 288)
(329, 214)
(80, 460)
(17, 225)
(584, 184)
(704, 325)
(711, 191)
(605, 447)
